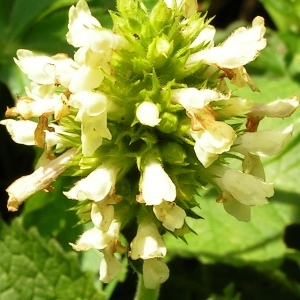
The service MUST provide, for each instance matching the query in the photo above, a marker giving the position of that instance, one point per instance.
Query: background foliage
(227, 259)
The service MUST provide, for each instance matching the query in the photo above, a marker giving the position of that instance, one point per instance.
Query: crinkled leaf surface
(32, 268)
(220, 237)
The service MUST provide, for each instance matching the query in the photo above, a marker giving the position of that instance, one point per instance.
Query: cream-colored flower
(21, 131)
(95, 238)
(148, 114)
(46, 70)
(86, 31)
(263, 143)
(148, 243)
(281, 108)
(156, 185)
(92, 113)
(192, 97)
(239, 49)
(244, 188)
(155, 272)
(96, 186)
(171, 215)
(40, 179)
(211, 137)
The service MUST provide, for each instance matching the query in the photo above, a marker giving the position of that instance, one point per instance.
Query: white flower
(40, 179)
(155, 272)
(148, 114)
(43, 69)
(263, 143)
(21, 131)
(171, 215)
(239, 49)
(92, 113)
(192, 97)
(110, 267)
(244, 188)
(96, 186)
(211, 137)
(280, 108)
(85, 30)
(156, 185)
(187, 7)
(148, 243)
(95, 238)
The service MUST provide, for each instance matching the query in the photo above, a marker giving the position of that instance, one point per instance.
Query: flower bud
(148, 114)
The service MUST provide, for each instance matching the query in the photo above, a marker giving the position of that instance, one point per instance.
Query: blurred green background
(226, 259)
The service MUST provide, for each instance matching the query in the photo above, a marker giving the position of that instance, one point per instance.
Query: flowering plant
(142, 119)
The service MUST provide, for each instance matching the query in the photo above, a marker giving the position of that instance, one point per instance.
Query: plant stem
(145, 294)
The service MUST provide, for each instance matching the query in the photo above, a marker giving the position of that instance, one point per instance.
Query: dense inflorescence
(141, 119)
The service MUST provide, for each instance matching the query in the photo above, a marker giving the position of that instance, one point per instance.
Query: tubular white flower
(281, 108)
(148, 114)
(239, 49)
(244, 188)
(95, 238)
(21, 131)
(171, 215)
(96, 186)
(93, 117)
(211, 137)
(156, 185)
(155, 272)
(148, 243)
(41, 178)
(263, 143)
(192, 97)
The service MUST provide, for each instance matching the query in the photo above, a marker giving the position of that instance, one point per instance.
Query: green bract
(142, 118)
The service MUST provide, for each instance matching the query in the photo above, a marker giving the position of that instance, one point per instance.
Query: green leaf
(34, 268)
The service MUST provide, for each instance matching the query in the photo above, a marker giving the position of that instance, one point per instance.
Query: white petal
(95, 238)
(240, 211)
(239, 49)
(110, 267)
(245, 188)
(263, 143)
(22, 131)
(96, 186)
(206, 35)
(156, 185)
(171, 215)
(155, 272)
(41, 178)
(192, 97)
(148, 243)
